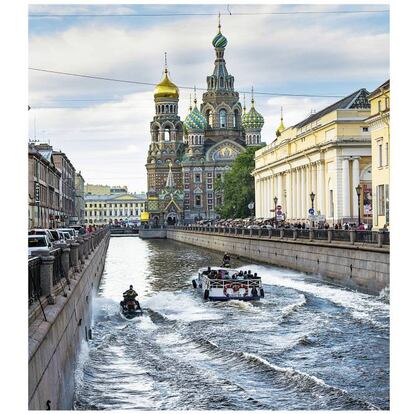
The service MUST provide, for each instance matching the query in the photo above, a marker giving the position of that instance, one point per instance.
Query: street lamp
(358, 191)
(275, 200)
(250, 206)
(312, 197)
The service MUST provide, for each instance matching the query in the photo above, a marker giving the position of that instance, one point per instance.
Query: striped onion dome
(195, 121)
(219, 40)
(252, 120)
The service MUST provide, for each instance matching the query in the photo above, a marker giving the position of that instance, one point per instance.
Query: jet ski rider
(130, 294)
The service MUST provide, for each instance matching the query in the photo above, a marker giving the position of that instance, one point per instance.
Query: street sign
(311, 211)
(37, 193)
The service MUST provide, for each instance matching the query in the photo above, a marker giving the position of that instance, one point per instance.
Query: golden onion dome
(166, 89)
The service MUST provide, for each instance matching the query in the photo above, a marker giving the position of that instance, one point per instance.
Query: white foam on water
(287, 310)
(181, 307)
(362, 306)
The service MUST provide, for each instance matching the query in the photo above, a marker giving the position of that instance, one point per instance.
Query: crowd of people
(223, 274)
(273, 224)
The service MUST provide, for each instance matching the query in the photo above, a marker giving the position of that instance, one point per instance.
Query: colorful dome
(166, 89)
(195, 121)
(219, 40)
(252, 120)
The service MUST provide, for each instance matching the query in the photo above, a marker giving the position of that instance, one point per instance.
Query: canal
(307, 345)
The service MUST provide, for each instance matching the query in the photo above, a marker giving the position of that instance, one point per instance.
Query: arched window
(209, 117)
(162, 108)
(236, 118)
(221, 83)
(167, 134)
(223, 118)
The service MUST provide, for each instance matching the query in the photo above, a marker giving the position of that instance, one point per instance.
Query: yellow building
(99, 189)
(327, 154)
(379, 124)
(104, 209)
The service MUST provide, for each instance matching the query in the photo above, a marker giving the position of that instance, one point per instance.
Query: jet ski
(130, 308)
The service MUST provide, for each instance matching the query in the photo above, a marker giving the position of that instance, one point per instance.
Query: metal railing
(35, 290)
(57, 272)
(379, 238)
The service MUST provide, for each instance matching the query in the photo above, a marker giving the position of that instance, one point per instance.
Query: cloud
(327, 54)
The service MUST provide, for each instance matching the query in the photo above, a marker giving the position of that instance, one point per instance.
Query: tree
(237, 186)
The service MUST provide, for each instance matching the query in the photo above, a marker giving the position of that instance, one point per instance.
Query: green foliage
(237, 186)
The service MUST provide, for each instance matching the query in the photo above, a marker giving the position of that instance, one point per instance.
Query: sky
(103, 126)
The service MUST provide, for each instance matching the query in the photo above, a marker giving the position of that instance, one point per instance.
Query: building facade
(121, 208)
(327, 154)
(80, 198)
(198, 151)
(67, 181)
(379, 124)
(44, 209)
(99, 189)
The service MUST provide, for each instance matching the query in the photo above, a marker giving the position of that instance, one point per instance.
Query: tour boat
(230, 287)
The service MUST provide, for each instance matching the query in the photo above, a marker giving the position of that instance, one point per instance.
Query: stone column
(345, 189)
(46, 277)
(65, 262)
(321, 187)
(355, 183)
(288, 207)
(81, 250)
(296, 193)
(74, 256)
(315, 186)
(308, 188)
(303, 193)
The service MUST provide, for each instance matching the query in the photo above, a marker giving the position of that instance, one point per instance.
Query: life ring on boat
(236, 287)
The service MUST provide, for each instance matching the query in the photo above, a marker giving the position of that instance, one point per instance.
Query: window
(236, 118)
(223, 118)
(221, 83)
(379, 155)
(387, 103)
(379, 106)
(331, 203)
(386, 154)
(167, 134)
(198, 200)
(219, 200)
(209, 118)
(197, 178)
(95, 205)
(218, 176)
(380, 200)
(364, 129)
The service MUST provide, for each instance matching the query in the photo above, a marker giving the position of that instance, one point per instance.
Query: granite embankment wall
(361, 267)
(55, 343)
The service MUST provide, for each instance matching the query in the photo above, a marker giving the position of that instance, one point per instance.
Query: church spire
(281, 126)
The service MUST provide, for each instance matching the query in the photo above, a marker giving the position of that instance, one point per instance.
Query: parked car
(44, 232)
(79, 230)
(70, 231)
(66, 235)
(58, 238)
(39, 243)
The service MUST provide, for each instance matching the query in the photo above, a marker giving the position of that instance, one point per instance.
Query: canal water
(307, 345)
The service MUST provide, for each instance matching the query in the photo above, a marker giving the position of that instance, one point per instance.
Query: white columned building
(329, 154)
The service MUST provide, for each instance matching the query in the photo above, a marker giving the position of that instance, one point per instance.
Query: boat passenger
(255, 276)
(206, 272)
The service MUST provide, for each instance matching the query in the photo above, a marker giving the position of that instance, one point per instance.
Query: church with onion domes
(185, 158)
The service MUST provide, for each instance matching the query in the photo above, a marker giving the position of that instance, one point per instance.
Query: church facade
(191, 155)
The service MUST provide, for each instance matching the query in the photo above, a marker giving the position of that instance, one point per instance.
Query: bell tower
(166, 135)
